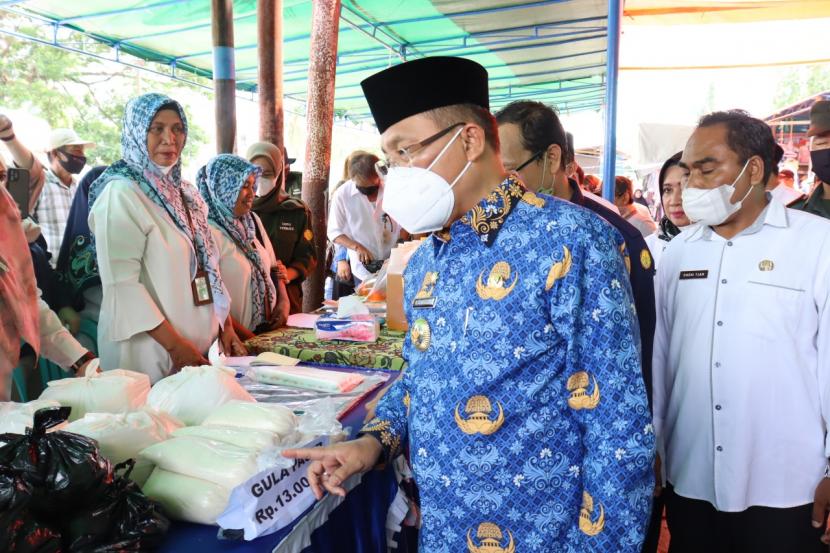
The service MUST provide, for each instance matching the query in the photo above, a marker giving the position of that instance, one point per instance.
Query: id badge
(202, 294)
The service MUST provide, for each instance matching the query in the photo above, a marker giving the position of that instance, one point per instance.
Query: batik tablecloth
(302, 344)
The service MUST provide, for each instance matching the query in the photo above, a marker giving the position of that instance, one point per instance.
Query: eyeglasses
(406, 153)
(533, 158)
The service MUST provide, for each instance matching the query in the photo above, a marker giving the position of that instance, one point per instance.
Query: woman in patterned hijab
(228, 184)
(158, 262)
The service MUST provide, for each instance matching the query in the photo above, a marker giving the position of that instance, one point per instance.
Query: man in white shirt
(742, 354)
(358, 222)
(624, 200)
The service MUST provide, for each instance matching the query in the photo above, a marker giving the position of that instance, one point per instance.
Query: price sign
(271, 500)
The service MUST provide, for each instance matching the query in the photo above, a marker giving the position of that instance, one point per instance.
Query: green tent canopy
(553, 51)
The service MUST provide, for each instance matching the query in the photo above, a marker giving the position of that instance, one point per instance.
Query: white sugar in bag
(195, 392)
(116, 391)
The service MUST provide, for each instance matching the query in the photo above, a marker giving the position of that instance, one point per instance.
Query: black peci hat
(422, 85)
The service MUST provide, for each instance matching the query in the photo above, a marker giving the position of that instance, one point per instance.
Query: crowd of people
(576, 367)
(163, 267)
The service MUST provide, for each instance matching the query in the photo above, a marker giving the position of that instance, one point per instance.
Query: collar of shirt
(487, 218)
(775, 215)
(51, 176)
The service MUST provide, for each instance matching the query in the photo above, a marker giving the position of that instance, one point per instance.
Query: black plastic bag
(32, 536)
(66, 471)
(122, 520)
(19, 531)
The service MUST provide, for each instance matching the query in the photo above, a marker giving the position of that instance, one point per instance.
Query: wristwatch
(76, 366)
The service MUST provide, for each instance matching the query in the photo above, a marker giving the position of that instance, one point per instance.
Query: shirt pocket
(774, 306)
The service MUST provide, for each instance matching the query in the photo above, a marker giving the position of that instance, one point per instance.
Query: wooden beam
(269, 29)
(224, 75)
(325, 22)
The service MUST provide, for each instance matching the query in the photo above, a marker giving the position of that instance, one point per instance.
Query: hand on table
(332, 465)
(82, 369)
(232, 346)
(185, 354)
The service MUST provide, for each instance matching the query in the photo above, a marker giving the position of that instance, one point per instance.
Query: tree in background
(801, 82)
(68, 89)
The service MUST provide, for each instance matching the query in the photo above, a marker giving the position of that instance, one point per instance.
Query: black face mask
(73, 164)
(368, 190)
(821, 164)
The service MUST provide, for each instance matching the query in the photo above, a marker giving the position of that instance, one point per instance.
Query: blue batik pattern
(523, 405)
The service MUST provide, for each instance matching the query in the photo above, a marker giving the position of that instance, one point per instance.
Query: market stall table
(302, 344)
(354, 524)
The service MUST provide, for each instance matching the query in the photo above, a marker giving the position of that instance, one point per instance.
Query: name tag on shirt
(692, 275)
(287, 226)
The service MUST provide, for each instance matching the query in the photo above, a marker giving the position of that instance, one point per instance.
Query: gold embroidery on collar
(532, 199)
(487, 219)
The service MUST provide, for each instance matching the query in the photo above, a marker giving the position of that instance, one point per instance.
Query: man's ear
(474, 141)
(554, 153)
(755, 170)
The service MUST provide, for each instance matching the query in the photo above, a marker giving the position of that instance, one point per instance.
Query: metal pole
(269, 29)
(612, 70)
(322, 68)
(224, 76)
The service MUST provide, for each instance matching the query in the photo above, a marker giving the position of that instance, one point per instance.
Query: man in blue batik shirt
(523, 406)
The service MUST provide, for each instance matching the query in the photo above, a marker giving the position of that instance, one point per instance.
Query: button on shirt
(52, 211)
(742, 361)
(363, 221)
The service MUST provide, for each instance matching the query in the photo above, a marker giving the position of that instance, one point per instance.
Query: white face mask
(165, 169)
(712, 206)
(265, 186)
(419, 199)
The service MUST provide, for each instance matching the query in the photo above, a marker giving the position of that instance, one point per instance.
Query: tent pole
(269, 28)
(612, 70)
(325, 22)
(224, 76)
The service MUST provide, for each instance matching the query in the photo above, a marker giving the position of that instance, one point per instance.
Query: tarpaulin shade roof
(553, 51)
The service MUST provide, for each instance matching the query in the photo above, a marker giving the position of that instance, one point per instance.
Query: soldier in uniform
(522, 405)
(818, 202)
(286, 219)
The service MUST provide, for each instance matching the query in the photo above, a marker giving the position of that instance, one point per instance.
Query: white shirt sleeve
(338, 218)
(56, 343)
(120, 225)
